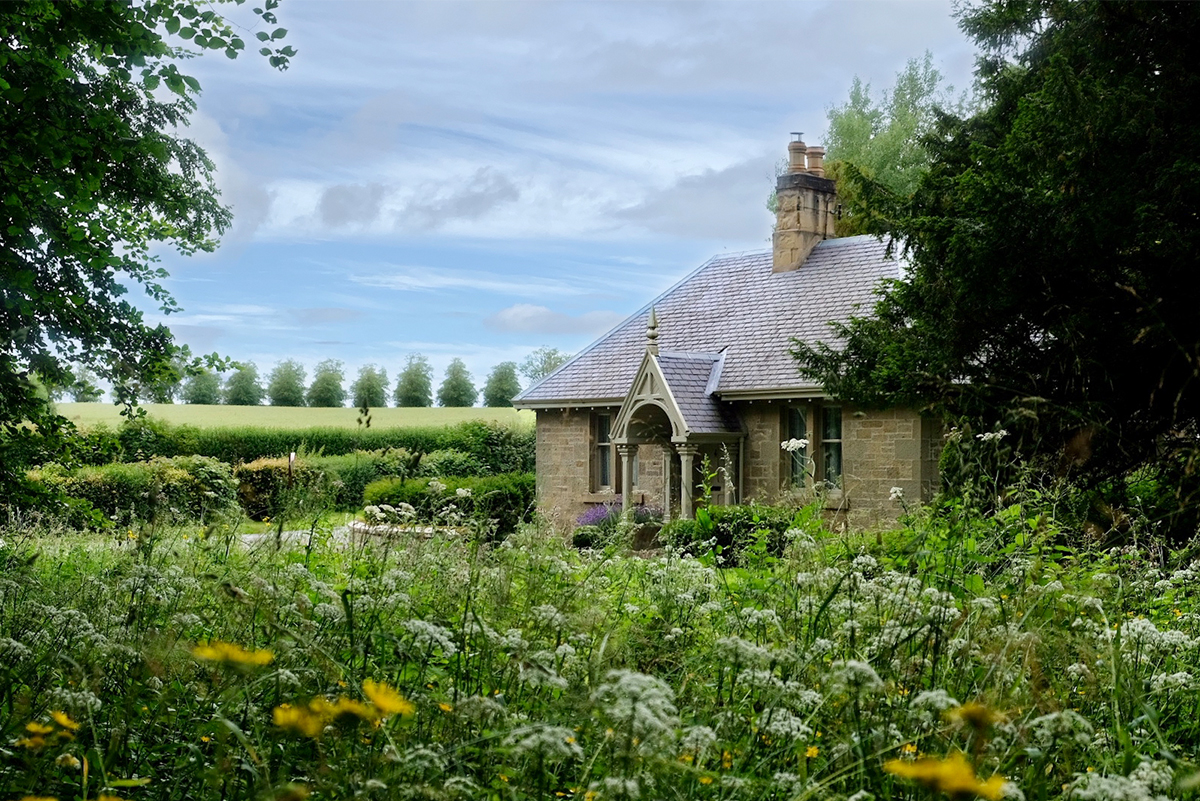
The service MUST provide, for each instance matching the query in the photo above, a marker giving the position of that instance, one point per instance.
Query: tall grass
(852, 667)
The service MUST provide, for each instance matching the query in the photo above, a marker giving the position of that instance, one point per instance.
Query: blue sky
(481, 179)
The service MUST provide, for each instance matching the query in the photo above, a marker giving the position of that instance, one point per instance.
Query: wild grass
(980, 655)
(90, 414)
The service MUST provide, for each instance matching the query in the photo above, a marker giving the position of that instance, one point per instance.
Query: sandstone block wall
(882, 450)
(563, 454)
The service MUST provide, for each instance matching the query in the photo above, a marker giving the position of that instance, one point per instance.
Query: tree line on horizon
(286, 384)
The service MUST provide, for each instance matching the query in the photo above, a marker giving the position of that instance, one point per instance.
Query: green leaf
(187, 33)
(263, 36)
(173, 25)
(192, 82)
(266, 51)
(278, 33)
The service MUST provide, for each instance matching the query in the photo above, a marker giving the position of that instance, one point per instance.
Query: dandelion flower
(386, 700)
(298, 719)
(811, 751)
(62, 719)
(33, 727)
(706, 779)
(952, 775)
(39, 798)
(231, 653)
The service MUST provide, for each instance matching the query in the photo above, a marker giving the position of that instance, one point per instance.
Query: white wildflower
(644, 705)
(1058, 727)
(855, 677)
(793, 445)
(429, 636)
(897, 494)
(463, 492)
(554, 743)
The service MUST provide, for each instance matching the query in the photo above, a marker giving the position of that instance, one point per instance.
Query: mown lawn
(86, 414)
(178, 664)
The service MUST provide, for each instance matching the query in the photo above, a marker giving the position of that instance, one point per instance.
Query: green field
(89, 414)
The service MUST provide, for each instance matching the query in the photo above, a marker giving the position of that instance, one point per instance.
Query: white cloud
(527, 318)
(426, 279)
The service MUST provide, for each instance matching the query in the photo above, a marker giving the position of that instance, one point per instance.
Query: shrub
(161, 489)
(735, 529)
(337, 481)
(598, 525)
(496, 503)
(450, 462)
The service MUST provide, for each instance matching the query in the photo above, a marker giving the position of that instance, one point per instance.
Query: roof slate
(688, 377)
(737, 305)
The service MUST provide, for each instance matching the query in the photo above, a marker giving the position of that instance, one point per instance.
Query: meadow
(86, 415)
(968, 654)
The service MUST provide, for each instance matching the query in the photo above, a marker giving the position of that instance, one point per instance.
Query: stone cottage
(696, 395)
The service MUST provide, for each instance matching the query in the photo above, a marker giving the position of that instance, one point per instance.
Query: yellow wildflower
(344, 710)
(67, 761)
(232, 653)
(974, 714)
(445, 707)
(103, 797)
(39, 798)
(953, 776)
(62, 719)
(35, 743)
(909, 748)
(386, 700)
(33, 727)
(298, 719)
(706, 779)
(811, 751)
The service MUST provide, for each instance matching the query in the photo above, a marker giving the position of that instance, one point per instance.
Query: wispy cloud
(428, 279)
(527, 318)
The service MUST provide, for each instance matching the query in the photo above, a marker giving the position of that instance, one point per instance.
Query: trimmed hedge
(265, 489)
(506, 500)
(736, 529)
(451, 462)
(180, 488)
(499, 448)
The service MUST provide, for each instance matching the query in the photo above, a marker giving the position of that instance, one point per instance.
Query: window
(831, 446)
(604, 453)
(797, 429)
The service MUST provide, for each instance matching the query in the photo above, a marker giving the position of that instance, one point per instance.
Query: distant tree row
(286, 384)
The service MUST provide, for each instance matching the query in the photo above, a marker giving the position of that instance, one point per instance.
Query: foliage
(243, 387)
(285, 385)
(542, 362)
(1051, 288)
(203, 388)
(883, 136)
(326, 388)
(736, 531)
(370, 388)
(451, 462)
(502, 385)
(415, 385)
(167, 384)
(158, 491)
(1002, 661)
(604, 524)
(266, 487)
(457, 388)
(93, 177)
(495, 505)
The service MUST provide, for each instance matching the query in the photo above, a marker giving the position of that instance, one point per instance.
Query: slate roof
(733, 304)
(689, 375)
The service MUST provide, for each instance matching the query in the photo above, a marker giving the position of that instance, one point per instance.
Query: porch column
(667, 461)
(687, 455)
(627, 452)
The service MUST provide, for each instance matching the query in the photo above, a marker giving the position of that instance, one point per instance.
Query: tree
(457, 388)
(542, 362)
(83, 388)
(166, 385)
(502, 385)
(415, 385)
(370, 388)
(285, 385)
(203, 388)
(326, 388)
(93, 177)
(1052, 285)
(243, 387)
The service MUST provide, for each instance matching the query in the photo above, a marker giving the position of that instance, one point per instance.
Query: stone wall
(563, 454)
(882, 450)
(763, 464)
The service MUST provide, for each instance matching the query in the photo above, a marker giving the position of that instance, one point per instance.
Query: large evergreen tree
(1052, 285)
(326, 388)
(285, 385)
(457, 389)
(415, 385)
(243, 387)
(370, 388)
(502, 385)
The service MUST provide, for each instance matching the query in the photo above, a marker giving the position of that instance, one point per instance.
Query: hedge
(503, 501)
(266, 489)
(161, 489)
(499, 448)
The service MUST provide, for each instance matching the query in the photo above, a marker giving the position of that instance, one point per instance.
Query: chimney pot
(816, 161)
(796, 153)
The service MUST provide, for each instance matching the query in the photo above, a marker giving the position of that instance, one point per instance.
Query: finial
(652, 332)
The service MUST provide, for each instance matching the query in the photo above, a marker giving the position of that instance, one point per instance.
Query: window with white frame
(603, 461)
(831, 446)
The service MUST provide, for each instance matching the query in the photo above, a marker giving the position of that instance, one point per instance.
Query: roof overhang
(567, 403)
(776, 393)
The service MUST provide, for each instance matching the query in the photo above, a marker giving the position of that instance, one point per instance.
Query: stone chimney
(806, 202)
